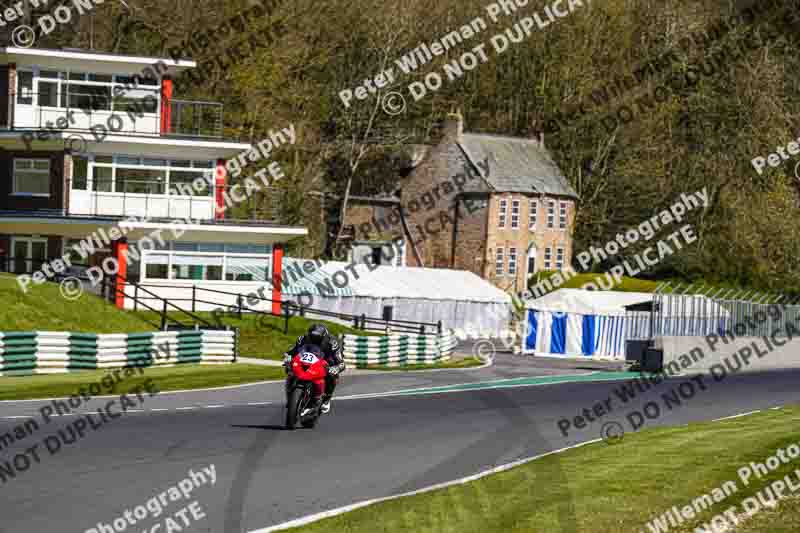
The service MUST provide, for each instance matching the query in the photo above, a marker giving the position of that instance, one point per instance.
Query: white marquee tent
(460, 299)
(578, 323)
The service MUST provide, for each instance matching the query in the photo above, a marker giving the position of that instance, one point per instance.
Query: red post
(120, 250)
(166, 105)
(277, 267)
(221, 174)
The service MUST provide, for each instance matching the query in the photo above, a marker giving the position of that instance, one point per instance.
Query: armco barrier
(398, 350)
(45, 352)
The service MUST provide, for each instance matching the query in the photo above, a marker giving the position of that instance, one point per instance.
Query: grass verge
(167, 379)
(602, 488)
(43, 308)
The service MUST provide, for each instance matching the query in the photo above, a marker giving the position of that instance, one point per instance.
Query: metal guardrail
(689, 310)
(290, 309)
(195, 119)
(109, 289)
(188, 118)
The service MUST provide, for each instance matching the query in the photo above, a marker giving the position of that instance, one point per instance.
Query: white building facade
(89, 140)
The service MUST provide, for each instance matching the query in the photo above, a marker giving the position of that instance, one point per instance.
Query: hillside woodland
(728, 93)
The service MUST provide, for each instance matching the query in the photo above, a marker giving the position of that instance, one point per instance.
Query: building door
(28, 254)
(531, 263)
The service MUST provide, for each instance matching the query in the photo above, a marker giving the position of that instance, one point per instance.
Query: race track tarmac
(368, 447)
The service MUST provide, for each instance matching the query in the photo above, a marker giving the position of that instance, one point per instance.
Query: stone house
(497, 206)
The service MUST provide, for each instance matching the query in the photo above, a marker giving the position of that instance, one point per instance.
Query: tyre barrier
(47, 352)
(398, 350)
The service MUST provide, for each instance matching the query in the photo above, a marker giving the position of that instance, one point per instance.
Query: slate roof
(516, 164)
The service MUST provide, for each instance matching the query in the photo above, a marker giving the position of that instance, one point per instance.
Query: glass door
(28, 254)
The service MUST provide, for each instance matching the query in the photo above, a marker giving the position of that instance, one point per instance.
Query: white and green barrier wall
(398, 350)
(47, 352)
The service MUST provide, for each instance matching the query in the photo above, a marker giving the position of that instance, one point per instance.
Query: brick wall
(522, 238)
(57, 191)
(67, 181)
(8, 79)
(456, 226)
(471, 235)
(429, 201)
(373, 221)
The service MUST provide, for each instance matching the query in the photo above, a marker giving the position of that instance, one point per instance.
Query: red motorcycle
(305, 383)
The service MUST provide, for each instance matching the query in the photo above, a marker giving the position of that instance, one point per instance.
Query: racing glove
(335, 370)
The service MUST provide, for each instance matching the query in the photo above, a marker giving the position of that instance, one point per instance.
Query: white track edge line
(393, 394)
(736, 416)
(160, 393)
(352, 507)
(488, 364)
(341, 510)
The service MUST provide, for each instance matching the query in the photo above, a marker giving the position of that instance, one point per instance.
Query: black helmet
(316, 334)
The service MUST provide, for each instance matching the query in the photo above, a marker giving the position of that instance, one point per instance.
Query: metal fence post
(439, 327)
(164, 317)
(239, 302)
(135, 296)
(235, 342)
(286, 318)
(194, 291)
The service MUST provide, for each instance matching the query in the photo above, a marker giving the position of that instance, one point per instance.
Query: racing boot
(326, 404)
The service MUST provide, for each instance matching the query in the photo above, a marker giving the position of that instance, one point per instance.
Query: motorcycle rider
(318, 335)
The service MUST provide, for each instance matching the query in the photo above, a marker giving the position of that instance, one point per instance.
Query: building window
(187, 261)
(559, 258)
(562, 215)
(499, 263)
(32, 177)
(135, 175)
(503, 214)
(119, 93)
(548, 258)
(515, 214)
(24, 87)
(551, 214)
(534, 213)
(512, 261)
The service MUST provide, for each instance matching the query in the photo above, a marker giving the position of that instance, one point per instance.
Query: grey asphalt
(366, 448)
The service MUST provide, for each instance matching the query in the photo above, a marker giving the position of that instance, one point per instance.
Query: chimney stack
(537, 133)
(453, 126)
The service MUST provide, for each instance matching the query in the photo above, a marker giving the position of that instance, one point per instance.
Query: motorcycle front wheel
(294, 407)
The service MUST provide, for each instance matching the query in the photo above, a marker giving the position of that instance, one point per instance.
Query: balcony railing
(195, 119)
(97, 115)
(155, 199)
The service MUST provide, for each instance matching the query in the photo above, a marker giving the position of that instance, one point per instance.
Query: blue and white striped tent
(578, 323)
